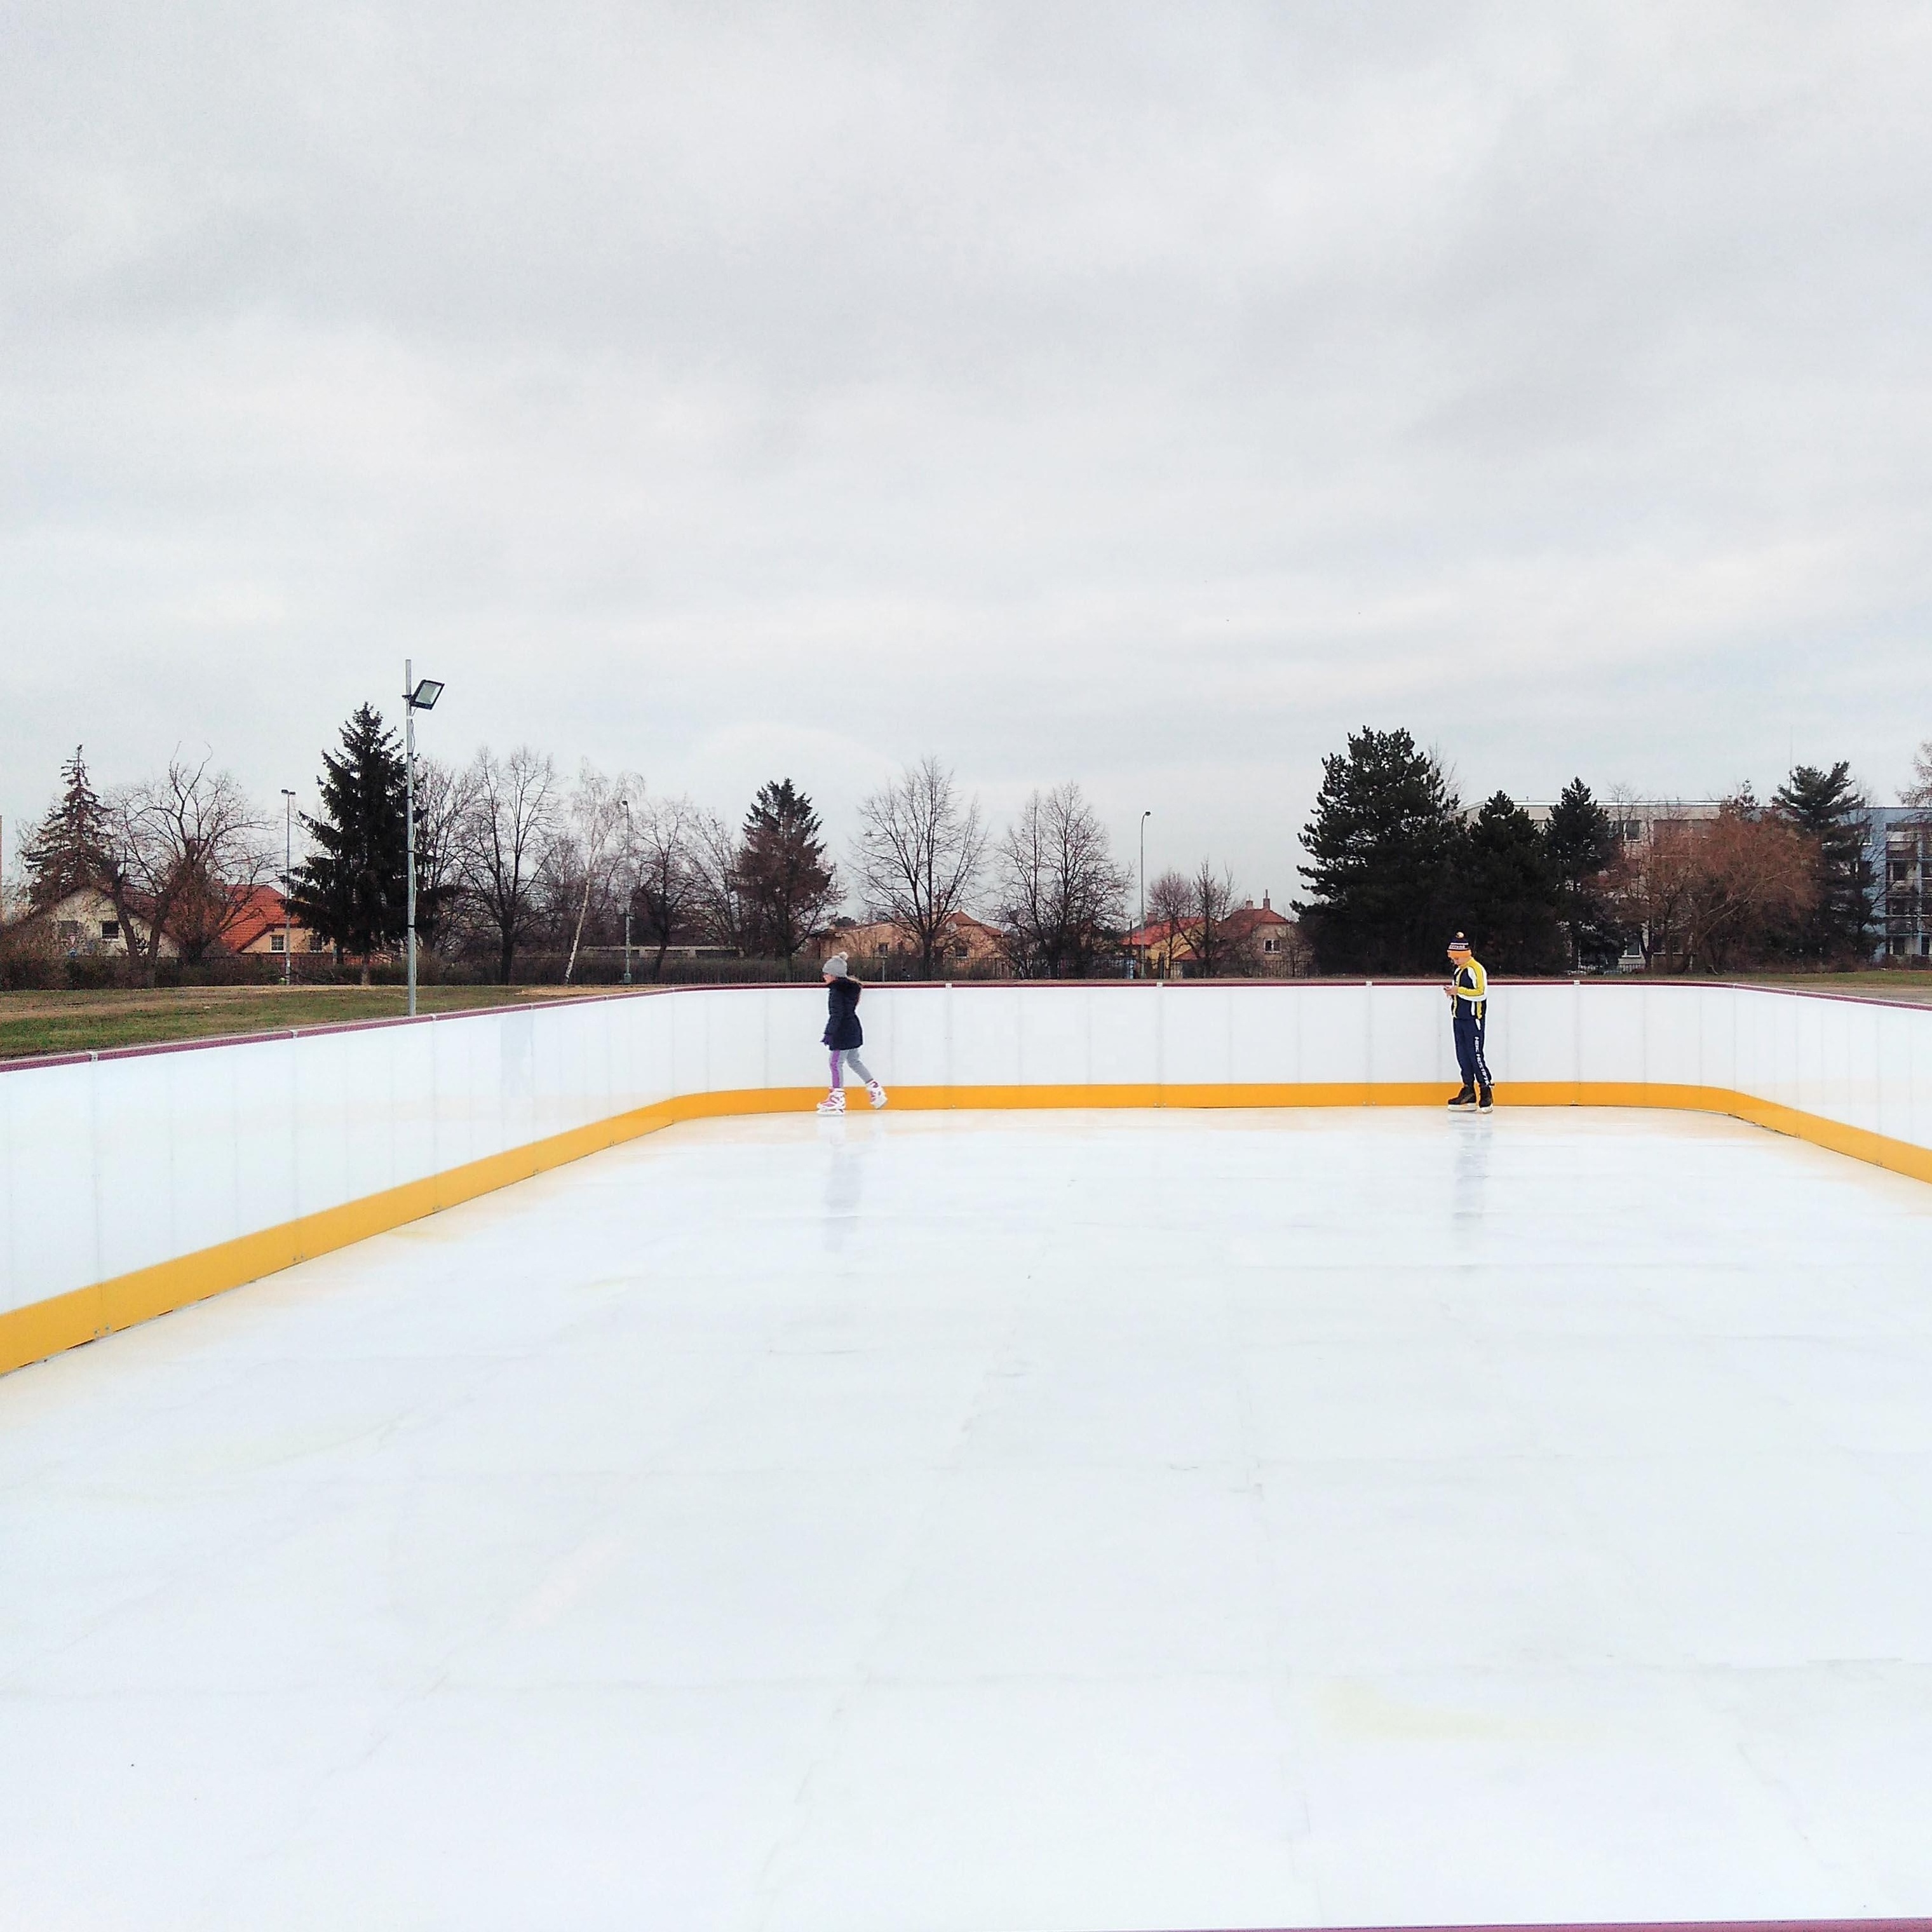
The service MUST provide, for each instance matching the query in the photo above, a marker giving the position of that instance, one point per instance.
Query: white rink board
(998, 1521)
(114, 1165)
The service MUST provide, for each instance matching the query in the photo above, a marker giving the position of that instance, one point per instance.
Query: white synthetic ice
(1001, 1521)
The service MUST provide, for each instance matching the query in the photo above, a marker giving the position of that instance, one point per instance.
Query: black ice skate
(1487, 1102)
(1467, 1098)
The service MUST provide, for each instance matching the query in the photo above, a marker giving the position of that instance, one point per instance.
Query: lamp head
(424, 697)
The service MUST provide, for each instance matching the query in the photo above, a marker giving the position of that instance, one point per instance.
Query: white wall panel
(138, 1148)
(653, 1042)
(690, 1054)
(1673, 1047)
(463, 1132)
(1409, 1037)
(1716, 1008)
(1263, 1047)
(1532, 1033)
(1611, 1036)
(366, 1062)
(734, 1042)
(1197, 1042)
(322, 1136)
(415, 1102)
(1124, 1035)
(53, 1231)
(264, 1133)
(1756, 1072)
(986, 1036)
(906, 1037)
(1053, 1036)
(1854, 1082)
(1920, 1063)
(1333, 1032)
(205, 1132)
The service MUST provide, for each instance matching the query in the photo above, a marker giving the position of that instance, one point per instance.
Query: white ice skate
(875, 1093)
(834, 1102)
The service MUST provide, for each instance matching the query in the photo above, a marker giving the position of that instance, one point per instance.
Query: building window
(1267, 945)
(110, 928)
(277, 941)
(69, 930)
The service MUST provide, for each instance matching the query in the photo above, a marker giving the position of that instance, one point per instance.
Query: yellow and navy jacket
(1471, 986)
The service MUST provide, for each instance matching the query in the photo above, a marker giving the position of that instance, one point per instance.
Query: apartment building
(1901, 852)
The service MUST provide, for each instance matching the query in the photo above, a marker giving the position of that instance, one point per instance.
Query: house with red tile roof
(1269, 942)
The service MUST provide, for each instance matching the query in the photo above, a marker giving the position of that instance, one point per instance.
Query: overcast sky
(1147, 396)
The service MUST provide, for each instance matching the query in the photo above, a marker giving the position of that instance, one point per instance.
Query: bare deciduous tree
(1217, 949)
(1919, 791)
(666, 886)
(918, 854)
(1061, 895)
(1705, 893)
(587, 847)
(512, 810)
(182, 853)
(443, 797)
(1755, 872)
(726, 913)
(1194, 909)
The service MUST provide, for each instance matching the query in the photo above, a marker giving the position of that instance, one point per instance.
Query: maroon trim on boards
(1635, 1925)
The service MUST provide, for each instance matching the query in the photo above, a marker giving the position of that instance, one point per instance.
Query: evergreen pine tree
(1506, 891)
(352, 889)
(68, 851)
(1581, 848)
(1381, 845)
(1829, 807)
(782, 871)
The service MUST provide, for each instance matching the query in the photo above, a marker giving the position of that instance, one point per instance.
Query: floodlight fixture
(417, 696)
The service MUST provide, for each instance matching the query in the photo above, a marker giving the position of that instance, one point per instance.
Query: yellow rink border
(44, 1328)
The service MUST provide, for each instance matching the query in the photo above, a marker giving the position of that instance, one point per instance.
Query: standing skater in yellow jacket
(1468, 991)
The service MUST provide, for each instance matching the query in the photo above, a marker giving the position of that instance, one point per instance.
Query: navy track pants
(1475, 1068)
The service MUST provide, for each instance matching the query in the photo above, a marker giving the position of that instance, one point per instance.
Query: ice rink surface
(1082, 1520)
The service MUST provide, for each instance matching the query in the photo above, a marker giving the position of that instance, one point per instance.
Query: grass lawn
(38, 1023)
(1875, 984)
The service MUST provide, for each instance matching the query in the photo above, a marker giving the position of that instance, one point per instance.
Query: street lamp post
(1144, 817)
(626, 803)
(288, 883)
(416, 697)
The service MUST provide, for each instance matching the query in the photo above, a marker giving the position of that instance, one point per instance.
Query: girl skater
(844, 1037)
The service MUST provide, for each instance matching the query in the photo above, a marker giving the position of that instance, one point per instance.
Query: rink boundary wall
(117, 1085)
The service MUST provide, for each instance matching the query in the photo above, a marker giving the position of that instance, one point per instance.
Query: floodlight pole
(413, 701)
(626, 803)
(409, 815)
(1144, 817)
(288, 884)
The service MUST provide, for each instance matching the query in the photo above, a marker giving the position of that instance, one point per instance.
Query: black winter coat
(843, 1032)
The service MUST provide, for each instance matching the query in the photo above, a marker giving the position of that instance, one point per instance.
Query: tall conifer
(1506, 891)
(782, 870)
(1581, 848)
(352, 888)
(1381, 846)
(68, 850)
(1829, 807)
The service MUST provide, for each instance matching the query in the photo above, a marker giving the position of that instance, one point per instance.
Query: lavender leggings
(843, 1057)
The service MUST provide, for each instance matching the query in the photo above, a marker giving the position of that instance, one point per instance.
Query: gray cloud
(1148, 396)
